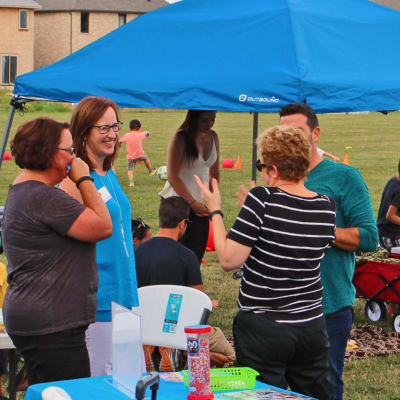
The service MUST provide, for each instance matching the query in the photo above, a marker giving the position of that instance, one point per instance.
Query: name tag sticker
(105, 194)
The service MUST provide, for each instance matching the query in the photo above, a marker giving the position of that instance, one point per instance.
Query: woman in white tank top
(193, 150)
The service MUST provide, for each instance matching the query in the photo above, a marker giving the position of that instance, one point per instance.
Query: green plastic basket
(223, 379)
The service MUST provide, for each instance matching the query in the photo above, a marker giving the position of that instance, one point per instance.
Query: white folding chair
(167, 309)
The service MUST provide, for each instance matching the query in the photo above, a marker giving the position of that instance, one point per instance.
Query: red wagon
(378, 283)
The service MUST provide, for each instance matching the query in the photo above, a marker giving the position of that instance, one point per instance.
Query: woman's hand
(212, 200)
(78, 169)
(242, 193)
(200, 209)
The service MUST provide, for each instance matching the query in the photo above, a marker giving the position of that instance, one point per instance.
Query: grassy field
(371, 141)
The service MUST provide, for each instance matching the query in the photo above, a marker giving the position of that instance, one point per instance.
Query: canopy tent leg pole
(7, 132)
(255, 135)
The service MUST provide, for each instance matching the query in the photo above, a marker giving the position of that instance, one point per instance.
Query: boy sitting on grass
(134, 149)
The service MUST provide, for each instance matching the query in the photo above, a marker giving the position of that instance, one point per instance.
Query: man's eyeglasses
(260, 165)
(69, 149)
(188, 221)
(104, 129)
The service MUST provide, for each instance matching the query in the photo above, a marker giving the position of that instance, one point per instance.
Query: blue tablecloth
(101, 389)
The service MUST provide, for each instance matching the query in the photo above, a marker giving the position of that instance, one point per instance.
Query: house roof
(19, 4)
(395, 4)
(125, 6)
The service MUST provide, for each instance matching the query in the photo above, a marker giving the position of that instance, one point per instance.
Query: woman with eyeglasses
(193, 150)
(49, 241)
(95, 127)
(281, 234)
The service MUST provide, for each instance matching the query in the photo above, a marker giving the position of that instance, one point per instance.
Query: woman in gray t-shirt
(49, 241)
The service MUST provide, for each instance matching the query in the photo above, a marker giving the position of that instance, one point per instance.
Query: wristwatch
(212, 213)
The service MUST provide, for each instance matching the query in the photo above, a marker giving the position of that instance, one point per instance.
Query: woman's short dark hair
(85, 115)
(173, 210)
(35, 142)
(188, 131)
(139, 228)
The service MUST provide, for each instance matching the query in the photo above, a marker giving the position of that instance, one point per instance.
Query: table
(99, 388)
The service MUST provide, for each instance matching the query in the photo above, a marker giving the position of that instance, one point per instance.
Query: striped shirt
(289, 236)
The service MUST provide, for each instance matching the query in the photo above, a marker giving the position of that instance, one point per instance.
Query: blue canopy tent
(236, 55)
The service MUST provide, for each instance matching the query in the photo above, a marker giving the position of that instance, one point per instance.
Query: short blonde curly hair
(288, 149)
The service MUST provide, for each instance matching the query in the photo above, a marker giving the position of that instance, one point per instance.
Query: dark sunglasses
(238, 274)
(260, 165)
(141, 224)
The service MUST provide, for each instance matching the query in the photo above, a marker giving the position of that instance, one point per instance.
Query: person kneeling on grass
(162, 260)
(140, 232)
(281, 234)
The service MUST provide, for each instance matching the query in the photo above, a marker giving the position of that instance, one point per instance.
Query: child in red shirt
(134, 149)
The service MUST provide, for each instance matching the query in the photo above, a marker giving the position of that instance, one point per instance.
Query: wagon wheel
(375, 310)
(396, 321)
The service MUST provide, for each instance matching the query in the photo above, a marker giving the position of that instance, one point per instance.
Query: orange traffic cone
(346, 160)
(238, 164)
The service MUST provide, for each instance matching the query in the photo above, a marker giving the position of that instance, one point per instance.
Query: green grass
(374, 151)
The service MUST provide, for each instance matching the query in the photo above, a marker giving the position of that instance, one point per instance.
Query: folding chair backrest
(167, 309)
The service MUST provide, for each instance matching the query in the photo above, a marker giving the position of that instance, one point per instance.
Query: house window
(121, 19)
(84, 22)
(23, 19)
(9, 69)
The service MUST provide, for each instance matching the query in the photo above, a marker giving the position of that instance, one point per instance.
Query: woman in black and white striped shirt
(281, 234)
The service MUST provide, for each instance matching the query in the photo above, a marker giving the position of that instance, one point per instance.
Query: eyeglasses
(104, 129)
(188, 221)
(69, 149)
(260, 165)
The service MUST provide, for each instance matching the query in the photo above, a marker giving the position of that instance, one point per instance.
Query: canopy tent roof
(239, 55)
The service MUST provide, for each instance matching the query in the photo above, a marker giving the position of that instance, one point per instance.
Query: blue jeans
(338, 326)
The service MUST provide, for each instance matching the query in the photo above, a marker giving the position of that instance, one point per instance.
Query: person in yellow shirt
(3, 283)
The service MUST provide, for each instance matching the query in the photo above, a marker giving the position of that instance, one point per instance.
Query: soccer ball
(162, 173)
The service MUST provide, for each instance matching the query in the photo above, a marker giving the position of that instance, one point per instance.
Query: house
(65, 26)
(395, 4)
(16, 39)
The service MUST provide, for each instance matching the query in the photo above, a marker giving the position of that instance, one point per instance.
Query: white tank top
(200, 167)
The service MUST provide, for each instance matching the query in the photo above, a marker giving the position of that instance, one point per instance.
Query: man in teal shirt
(356, 231)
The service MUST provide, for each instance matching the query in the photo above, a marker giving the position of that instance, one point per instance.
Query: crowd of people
(72, 247)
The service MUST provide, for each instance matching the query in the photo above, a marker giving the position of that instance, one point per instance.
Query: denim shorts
(131, 163)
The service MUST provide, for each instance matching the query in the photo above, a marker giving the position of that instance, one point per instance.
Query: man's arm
(361, 233)
(347, 238)
(392, 215)
(198, 287)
